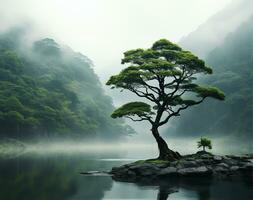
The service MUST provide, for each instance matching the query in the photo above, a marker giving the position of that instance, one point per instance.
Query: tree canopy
(163, 75)
(204, 142)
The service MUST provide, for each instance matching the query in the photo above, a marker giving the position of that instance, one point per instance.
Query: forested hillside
(48, 90)
(233, 73)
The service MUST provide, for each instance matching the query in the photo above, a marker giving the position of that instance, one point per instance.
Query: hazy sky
(104, 29)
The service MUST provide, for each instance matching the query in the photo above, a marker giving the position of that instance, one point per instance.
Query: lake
(53, 175)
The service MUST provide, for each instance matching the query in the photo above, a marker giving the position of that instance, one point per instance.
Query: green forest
(48, 90)
(232, 63)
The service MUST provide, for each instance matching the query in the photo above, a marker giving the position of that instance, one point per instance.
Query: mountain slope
(212, 33)
(233, 73)
(48, 90)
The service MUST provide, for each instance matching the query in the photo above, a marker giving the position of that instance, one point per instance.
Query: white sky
(104, 29)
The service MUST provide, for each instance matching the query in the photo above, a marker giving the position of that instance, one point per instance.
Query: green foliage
(164, 75)
(51, 91)
(165, 44)
(131, 109)
(209, 92)
(204, 142)
(152, 161)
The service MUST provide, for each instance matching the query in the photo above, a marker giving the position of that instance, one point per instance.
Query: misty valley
(172, 120)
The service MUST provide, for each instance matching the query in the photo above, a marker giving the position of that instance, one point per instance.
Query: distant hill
(48, 90)
(233, 73)
(213, 32)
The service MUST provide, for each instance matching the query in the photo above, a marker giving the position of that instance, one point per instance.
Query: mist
(103, 30)
(114, 151)
(64, 133)
(213, 32)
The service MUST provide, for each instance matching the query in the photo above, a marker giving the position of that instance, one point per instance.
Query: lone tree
(204, 142)
(164, 76)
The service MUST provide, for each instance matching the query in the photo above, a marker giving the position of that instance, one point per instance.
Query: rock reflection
(163, 193)
(201, 188)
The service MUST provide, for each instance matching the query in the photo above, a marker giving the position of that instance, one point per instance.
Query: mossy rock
(152, 161)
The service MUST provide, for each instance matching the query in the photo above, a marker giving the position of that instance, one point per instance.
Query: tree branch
(135, 120)
(139, 93)
(175, 113)
(141, 119)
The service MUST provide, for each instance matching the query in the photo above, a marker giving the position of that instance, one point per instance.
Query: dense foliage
(49, 90)
(233, 72)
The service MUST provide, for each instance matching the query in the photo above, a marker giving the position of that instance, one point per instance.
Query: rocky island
(201, 164)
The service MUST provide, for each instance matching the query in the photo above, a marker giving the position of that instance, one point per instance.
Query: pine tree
(163, 75)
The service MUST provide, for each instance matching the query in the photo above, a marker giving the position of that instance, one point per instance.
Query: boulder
(230, 161)
(220, 169)
(248, 166)
(145, 169)
(217, 158)
(186, 164)
(223, 165)
(167, 171)
(234, 168)
(194, 171)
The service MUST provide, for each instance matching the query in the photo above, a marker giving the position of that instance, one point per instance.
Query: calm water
(34, 176)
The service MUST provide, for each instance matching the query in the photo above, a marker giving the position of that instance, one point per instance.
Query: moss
(152, 161)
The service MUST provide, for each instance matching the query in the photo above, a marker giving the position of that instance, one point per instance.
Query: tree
(204, 142)
(164, 76)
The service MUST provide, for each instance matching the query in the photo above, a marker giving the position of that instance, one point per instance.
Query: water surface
(36, 175)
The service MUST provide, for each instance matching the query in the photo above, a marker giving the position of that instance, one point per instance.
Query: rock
(145, 169)
(234, 168)
(120, 171)
(243, 163)
(224, 165)
(217, 158)
(202, 169)
(121, 168)
(194, 170)
(130, 173)
(242, 157)
(186, 163)
(174, 163)
(141, 166)
(209, 167)
(248, 166)
(95, 173)
(208, 162)
(146, 172)
(200, 161)
(230, 161)
(167, 171)
(190, 159)
(162, 165)
(199, 164)
(206, 156)
(220, 169)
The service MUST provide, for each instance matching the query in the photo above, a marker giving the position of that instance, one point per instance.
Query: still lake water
(56, 176)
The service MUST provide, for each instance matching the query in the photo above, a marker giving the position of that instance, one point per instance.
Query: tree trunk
(164, 152)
